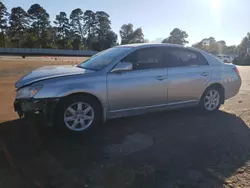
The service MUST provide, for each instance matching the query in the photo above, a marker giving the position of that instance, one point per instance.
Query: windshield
(102, 59)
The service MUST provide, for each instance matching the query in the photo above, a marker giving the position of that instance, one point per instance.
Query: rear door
(188, 74)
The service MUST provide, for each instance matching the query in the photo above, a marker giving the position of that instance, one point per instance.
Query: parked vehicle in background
(242, 61)
(126, 80)
(226, 58)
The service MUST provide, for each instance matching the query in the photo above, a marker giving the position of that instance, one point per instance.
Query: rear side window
(147, 58)
(175, 57)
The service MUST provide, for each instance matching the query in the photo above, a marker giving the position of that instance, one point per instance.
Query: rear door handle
(160, 78)
(204, 74)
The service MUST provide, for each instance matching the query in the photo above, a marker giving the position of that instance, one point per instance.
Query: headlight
(27, 92)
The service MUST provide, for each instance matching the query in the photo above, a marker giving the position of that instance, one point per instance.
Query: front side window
(182, 57)
(148, 58)
(102, 59)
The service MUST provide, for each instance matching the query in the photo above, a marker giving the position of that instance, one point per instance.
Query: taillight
(236, 70)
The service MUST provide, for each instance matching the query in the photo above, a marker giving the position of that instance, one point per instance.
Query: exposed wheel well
(221, 89)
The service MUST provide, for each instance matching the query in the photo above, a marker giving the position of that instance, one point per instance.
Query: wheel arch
(103, 109)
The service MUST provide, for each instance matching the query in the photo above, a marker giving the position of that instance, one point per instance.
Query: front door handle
(160, 78)
(204, 74)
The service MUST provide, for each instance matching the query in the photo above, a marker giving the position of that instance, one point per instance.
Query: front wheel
(77, 113)
(211, 100)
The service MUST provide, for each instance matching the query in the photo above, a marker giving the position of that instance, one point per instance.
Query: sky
(222, 19)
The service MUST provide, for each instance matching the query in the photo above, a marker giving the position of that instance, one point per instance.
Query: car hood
(48, 72)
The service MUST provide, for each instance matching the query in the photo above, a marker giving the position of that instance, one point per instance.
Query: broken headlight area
(33, 106)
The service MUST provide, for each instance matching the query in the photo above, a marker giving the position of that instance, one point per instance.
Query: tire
(77, 114)
(212, 104)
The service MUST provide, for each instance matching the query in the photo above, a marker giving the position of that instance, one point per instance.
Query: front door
(188, 74)
(143, 87)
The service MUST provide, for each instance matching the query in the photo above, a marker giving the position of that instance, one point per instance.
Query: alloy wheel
(212, 100)
(79, 116)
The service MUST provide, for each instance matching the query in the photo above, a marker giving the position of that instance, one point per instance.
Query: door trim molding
(153, 106)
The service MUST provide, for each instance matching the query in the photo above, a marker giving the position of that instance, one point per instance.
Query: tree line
(33, 29)
(210, 44)
(85, 30)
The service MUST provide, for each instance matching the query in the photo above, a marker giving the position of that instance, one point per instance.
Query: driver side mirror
(124, 66)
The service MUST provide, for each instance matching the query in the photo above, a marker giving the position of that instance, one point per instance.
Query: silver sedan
(126, 80)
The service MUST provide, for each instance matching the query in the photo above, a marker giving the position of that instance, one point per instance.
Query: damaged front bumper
(25, 107)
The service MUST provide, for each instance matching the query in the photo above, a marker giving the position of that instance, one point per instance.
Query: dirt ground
(14, 67)
(167, 150)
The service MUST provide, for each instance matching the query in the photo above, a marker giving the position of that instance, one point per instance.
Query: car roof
(142, 45)
(151, 45)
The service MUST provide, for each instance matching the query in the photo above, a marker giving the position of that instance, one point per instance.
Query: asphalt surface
(181, 148)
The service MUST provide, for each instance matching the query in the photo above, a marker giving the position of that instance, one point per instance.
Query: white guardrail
(43, 51)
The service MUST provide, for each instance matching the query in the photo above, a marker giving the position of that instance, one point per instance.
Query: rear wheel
(211, 99)
(77, 113)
